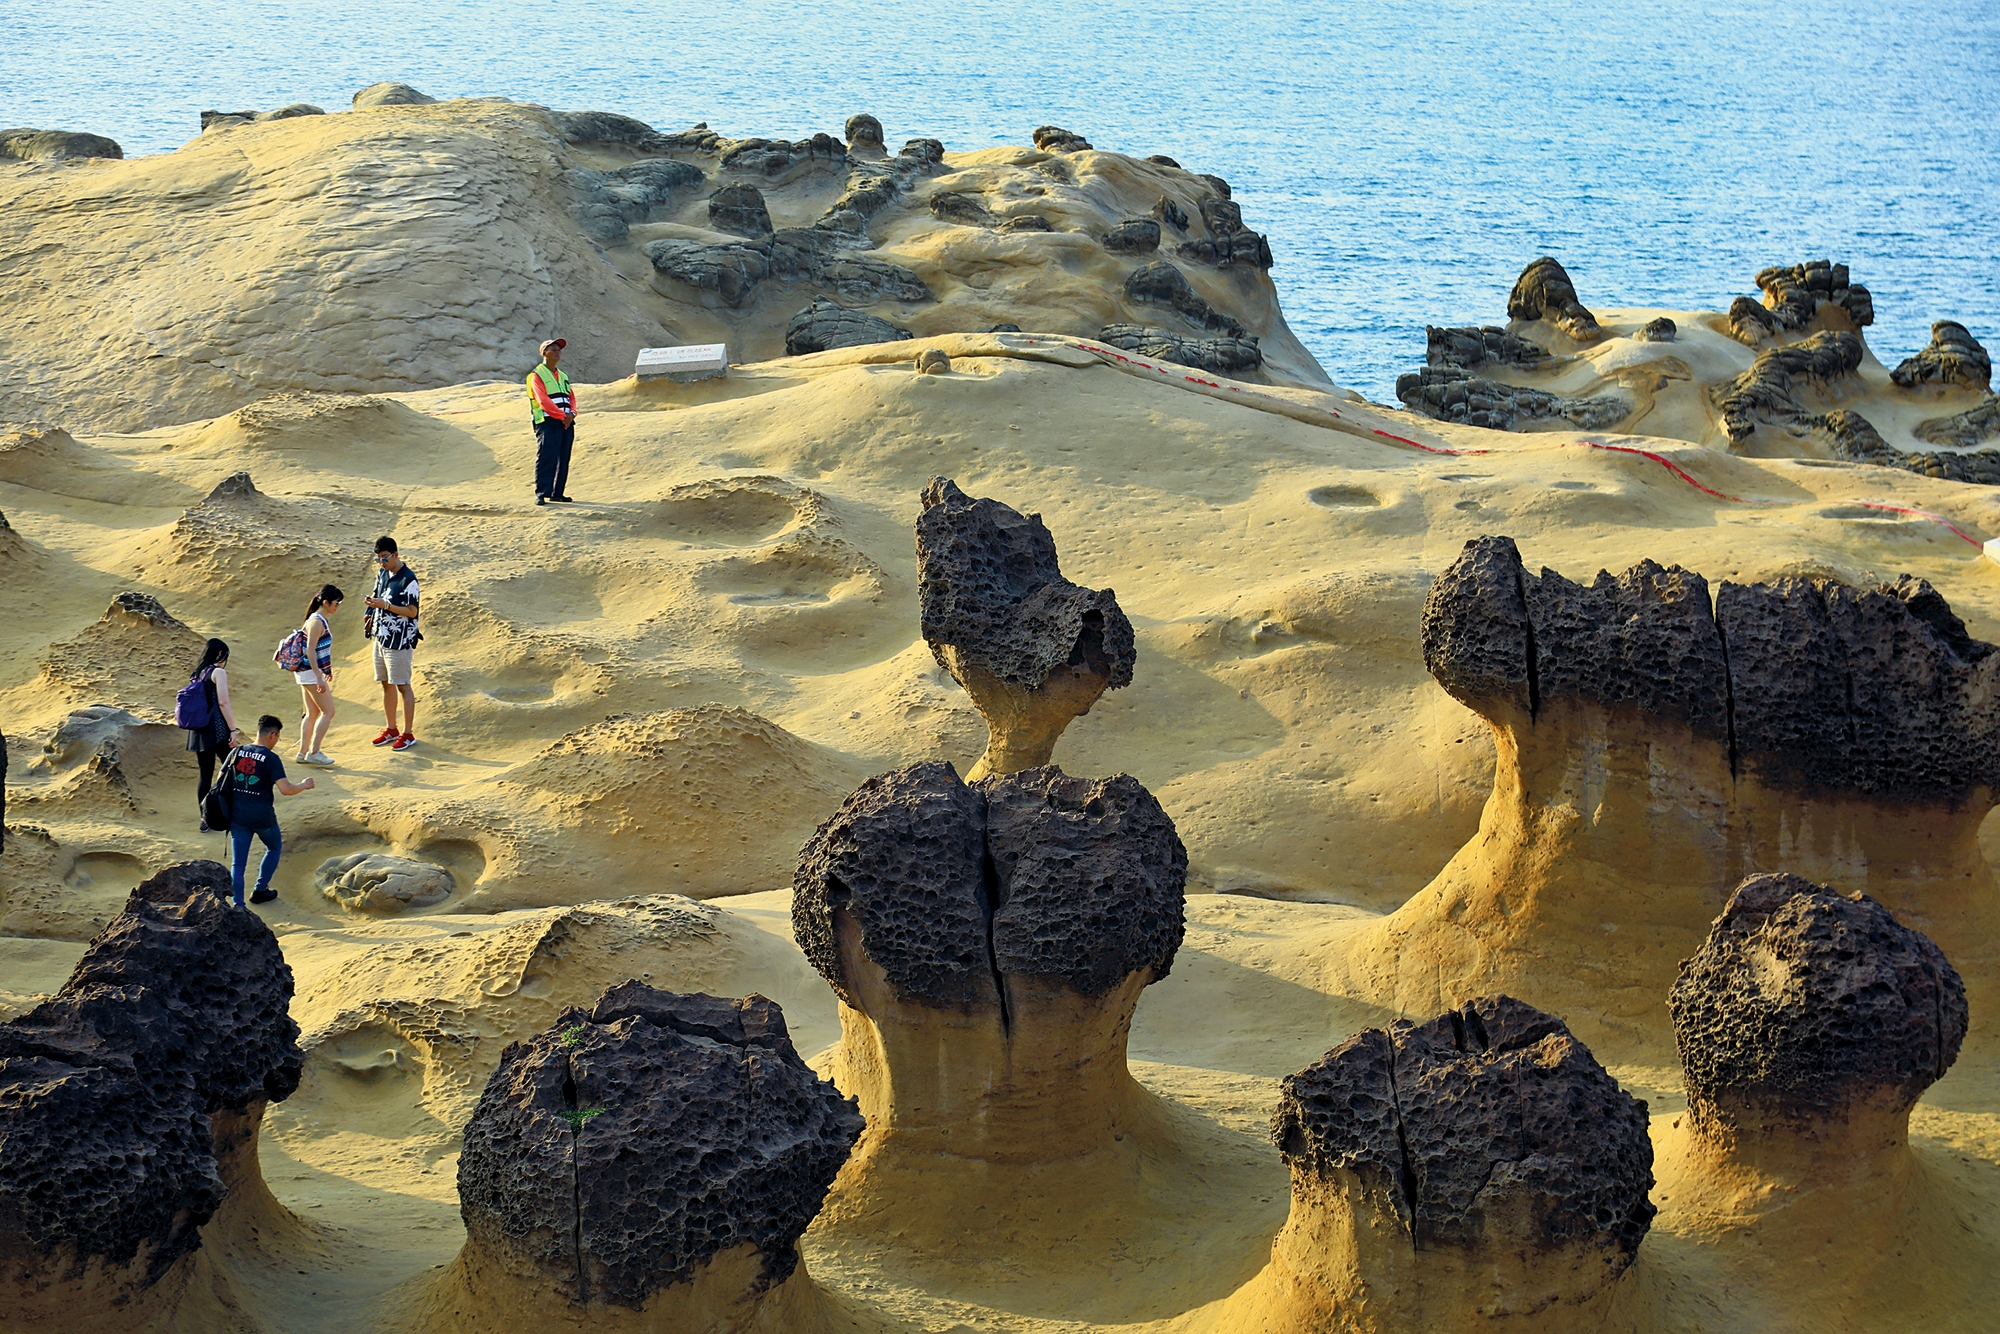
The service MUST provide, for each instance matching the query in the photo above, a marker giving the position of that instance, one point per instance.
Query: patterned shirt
(398, 590)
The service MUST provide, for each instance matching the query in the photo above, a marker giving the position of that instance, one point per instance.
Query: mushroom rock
(1476, 1168)
(1793, 293)
(1767, 392)
(1055, 139)
(1657, 330)
(1953, 357)
(1654, 748)
(1544, 292)
(649, 1163)
(1032, 649)
(864, 132)
(1809, 1023)
(988, 944)
(130, 1102)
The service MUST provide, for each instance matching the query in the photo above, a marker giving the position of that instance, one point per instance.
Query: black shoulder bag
(220, 803)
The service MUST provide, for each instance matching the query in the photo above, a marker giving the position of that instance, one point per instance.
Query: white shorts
(392, 665)
(306, 678)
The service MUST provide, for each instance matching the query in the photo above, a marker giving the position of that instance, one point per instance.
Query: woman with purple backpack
(202, 707)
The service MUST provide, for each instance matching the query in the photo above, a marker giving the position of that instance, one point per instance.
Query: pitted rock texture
(824, 325)
(1963, 430)
(1220, 355)
(1487, 1113)
(988, 584)
(1953, 356)
(1767, 391)
(1089, 876)
(1794, 292)
(1228, 242)
(1853, 437)
(1468, 349)
(1660, 330)
(55, 146)
(1804, 1003)
(217, 970)
(1811, 683)
(740, 209)
(955, 888)
(614, 1154)
(1161, 284)
(1544, 292)
(177, 1009)
(1448, 393)
(1055, 139)
(905, 855)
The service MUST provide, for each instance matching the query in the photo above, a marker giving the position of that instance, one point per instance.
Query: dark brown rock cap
(1810, 683)
(954, 889)
(1488, 1126)
(1803, 1003)
(1544, 291)
(178, 1009)
(614, 1154)
(989, 585)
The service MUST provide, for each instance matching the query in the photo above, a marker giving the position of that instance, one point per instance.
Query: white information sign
(695, 361)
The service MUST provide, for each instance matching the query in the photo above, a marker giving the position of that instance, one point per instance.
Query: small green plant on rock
(576, 1116)
(572, 1037)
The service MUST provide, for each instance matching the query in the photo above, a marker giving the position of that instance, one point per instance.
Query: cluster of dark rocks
(957, 893)
(1055, 139)
(1448, 393)
(1544, 292)
(1228, 241)
(1470, 348)
(1811, 683)
(177, 1013)
(1767, 392)
(1161, 284)
(1792, 297)
(1657, 330)
(1852, 437)
(1953, 357)
(1807, 1006)
(1487, 1128)
(616, 1153)
(26, 145)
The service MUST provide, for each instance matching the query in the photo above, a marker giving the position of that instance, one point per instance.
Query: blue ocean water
(1406, 159)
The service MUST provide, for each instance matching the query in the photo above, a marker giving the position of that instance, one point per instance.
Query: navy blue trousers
(553, 441)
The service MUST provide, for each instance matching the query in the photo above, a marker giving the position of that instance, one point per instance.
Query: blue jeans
(239, 838)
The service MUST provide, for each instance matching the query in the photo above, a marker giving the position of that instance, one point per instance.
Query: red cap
(554, 342)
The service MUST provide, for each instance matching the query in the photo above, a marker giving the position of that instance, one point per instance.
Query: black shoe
(564, 499)
(264, 896)
(541, 500)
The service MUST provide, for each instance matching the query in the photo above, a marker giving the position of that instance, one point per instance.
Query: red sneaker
(387, 735)
(403, 742)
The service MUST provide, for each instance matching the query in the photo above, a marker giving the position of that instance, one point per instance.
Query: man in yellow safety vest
(552, 404)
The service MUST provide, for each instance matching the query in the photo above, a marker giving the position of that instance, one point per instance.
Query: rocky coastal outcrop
(649, 1162)
(1544, 292)
(1793, 295)
(1450, 394)
(825, 325)
(1952, 357)
(1851, 436)
(1222, 355)
(25, 145)
(1480, 1167)
(1032, 649)
(1850, 733)
(1964, 430)
(1768, 391)
(129, 1104)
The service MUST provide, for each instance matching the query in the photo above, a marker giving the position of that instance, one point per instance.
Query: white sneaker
(319, 757)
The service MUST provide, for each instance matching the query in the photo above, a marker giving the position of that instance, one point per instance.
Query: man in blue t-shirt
(256, 779)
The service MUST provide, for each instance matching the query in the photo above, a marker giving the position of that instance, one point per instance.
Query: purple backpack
(191, 706)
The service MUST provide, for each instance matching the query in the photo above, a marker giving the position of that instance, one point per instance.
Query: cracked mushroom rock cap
(1490, 1113)
(655, 1145)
